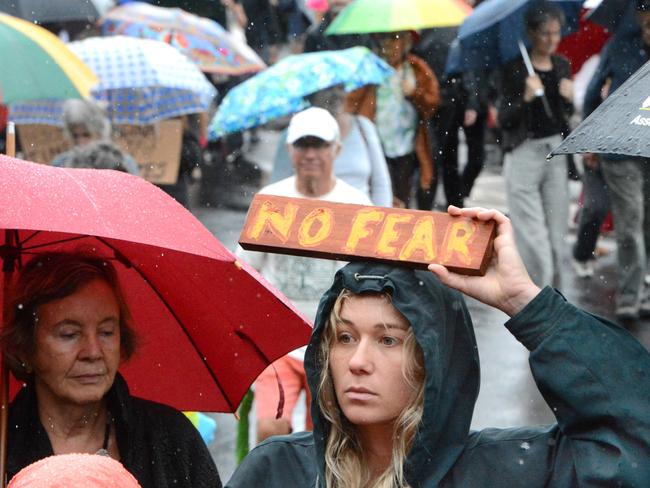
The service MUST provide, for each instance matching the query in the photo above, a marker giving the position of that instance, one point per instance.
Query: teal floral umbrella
(281, 89)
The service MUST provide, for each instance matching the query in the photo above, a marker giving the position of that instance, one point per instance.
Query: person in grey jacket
(627, 178)
(394, 372)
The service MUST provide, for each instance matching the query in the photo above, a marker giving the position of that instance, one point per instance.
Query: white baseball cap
(316, 122)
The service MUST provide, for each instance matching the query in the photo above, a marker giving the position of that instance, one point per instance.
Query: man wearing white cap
(313, 141)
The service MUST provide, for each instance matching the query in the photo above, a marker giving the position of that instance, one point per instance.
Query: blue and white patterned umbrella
(140, 81)
(281, 89)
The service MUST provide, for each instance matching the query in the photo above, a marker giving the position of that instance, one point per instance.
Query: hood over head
(443, 329)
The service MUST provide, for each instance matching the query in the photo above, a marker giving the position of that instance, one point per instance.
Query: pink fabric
(74, 471)
(292, 376)
(318, 5)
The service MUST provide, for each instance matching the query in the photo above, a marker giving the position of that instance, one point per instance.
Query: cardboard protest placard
(41, 143)
(156, 148)
(414, 238)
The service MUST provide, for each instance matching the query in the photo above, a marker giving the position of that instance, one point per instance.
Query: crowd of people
(391, 373)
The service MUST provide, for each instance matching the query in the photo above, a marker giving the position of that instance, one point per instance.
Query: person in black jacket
(67, 333)
(533, 113)
(262, 29)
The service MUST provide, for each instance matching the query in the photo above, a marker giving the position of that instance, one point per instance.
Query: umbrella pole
(4, 415)
(531, 72)
(4, 371)
(11, 140)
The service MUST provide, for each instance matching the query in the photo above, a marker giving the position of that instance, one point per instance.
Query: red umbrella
(209, 324)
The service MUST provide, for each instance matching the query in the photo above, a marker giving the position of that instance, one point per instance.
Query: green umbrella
(366, 16)
(35, 64)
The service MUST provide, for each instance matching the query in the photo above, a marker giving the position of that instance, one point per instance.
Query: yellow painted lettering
(360, 228)
(323, 219)
(389, 234)
(269, 217)
(457, 240)
(421, 242)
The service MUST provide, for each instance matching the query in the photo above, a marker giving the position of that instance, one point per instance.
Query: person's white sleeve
(381, 192)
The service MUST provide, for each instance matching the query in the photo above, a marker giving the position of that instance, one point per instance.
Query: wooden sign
(415, 238)
(156, 148)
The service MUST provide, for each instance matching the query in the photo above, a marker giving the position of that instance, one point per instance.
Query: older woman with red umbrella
(68, 331)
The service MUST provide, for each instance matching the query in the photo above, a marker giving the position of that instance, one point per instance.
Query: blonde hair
(345, 464)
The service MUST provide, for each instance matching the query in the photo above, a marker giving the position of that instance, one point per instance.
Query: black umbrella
(620, 125)
(52, 11)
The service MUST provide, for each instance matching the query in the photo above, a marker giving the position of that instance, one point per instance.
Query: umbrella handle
(526, 58)
(11, 140)
(531, 72)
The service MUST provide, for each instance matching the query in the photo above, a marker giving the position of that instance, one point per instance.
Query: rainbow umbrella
(35, 64)
(367, 16)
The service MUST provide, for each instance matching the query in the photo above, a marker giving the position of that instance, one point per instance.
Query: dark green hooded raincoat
(593, 374)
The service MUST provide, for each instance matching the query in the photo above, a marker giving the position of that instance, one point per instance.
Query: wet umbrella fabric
(141, 81)
(620, 125)
(204, 41)
(281, 89)
(209, 324)
(34, 63)
(489, 36)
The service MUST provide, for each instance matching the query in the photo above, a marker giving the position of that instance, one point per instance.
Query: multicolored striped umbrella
(35, 64)
(210, 46)
(141, 82)
(367, 16)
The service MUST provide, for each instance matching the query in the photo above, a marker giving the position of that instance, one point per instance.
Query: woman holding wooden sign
(394, 371)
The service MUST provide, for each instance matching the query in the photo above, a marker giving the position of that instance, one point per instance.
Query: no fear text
(329, 230)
